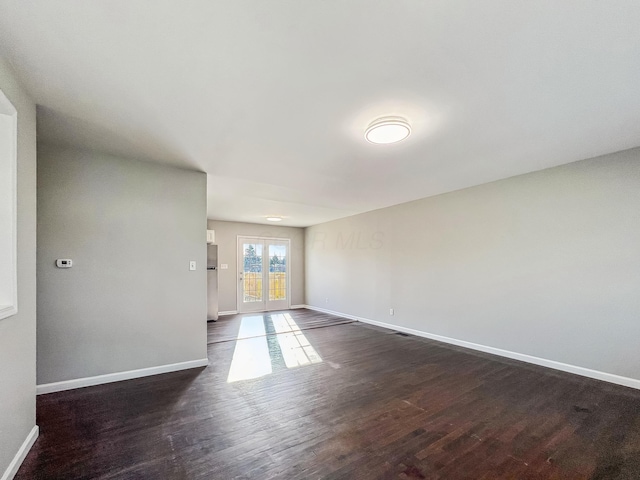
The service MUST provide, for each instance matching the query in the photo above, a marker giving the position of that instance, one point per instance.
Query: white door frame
(262, 307)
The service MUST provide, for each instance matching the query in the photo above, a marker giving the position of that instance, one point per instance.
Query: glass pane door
(251, 275)
(278, 275)
(263, 274)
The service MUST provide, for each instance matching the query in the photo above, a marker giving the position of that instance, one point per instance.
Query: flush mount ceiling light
(274, 219)
(387, 130)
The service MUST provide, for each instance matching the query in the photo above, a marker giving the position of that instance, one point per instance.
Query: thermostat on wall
(64, 263)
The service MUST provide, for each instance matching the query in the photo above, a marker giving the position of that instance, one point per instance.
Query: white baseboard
(13, 467)
(119, 376)
(565, 367)
(234, 312)
(339, 314)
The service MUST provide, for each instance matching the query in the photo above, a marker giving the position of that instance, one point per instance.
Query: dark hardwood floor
(363, 403)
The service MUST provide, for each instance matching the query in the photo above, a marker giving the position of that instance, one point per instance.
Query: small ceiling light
(274, 219)
(387, 130)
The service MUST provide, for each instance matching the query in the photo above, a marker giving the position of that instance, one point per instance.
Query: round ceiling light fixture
(387, 130)
(274, 219)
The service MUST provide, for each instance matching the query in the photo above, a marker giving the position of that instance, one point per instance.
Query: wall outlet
(192, 265)
(326, 300)
(391, 312)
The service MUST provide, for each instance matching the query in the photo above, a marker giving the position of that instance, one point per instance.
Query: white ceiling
(271, 98)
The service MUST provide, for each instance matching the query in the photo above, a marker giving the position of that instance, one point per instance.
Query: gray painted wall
(545, 264)
(129, 301)
(18, 333)
(227, 240)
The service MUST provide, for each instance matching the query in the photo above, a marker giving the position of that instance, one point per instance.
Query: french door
(263, 274)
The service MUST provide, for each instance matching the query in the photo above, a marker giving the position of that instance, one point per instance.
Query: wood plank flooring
(375, 405)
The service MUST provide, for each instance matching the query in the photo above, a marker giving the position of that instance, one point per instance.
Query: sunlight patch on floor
(253, 355)
(296, 349)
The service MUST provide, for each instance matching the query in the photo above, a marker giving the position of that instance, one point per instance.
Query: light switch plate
(192, 265)
(224, 266)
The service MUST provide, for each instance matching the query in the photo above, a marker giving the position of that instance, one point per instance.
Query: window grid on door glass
(277, 272)
(252, 270)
